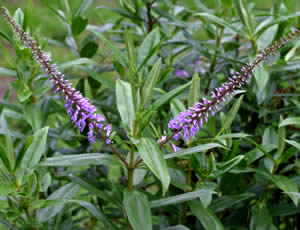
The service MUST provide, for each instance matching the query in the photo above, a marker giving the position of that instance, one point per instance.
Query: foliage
(141, 65)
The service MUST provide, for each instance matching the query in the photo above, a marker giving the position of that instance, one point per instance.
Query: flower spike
(188, 122)
(82, 112)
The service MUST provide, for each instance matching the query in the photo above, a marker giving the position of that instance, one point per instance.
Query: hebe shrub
(129, 138)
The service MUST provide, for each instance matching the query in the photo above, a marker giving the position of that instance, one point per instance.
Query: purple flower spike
(188, 122)
(182, 73)
(81, 111)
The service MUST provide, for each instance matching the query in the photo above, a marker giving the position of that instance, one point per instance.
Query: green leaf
(228, 165)
(207, 218)
(34, 152)
(150, 82)
(7, 72)
(280, 139)
(46, 181)
(73, 63)
(194, 94)
(227, 3)
(164, 99)
(138, 210)
(244, 15)
(118, 54)
(154, 159)
(225, 202)
(19, 17)
(233, 135)
(293, 143)
(6, 189)
(101, 78)
(83, 7)
(5, 160)
(33, 116)
(131, 52)
(65, 192)
(151, 40)
(276, 21)
(96, 213)
(222, 23)
(290, 121)
(125, 104)
(10, 151)
(196, 149)
(85, 159)
(262, 77)
(78, 25)
(287, 186)
(92, 189)
(180, 198)
(230, 116)
(89, 50)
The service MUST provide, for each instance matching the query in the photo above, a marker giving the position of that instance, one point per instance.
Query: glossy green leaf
(67, 191)
(91, 188)
(227, 3)
(84, 159)
(10, 151)
(150, 82)
(194, 94)
(96, 213)
(78, 25)
(154, 159)
(290, 121)
(118, 54)
(196, 149)
(89, 50)
(180, 198)
(287, 186)
(280, 139)
(227, 201)
(207, 218)
(221, 22)
(85, 4)
(166, 98)
(138, 210)
(33, 116)
(73, 63)
(276, 21)
(293, 143)
(151, 40)
(4, 159)
(125, 104)
(228, 165)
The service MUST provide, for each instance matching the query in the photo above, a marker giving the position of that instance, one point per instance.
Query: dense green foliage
(141, 62)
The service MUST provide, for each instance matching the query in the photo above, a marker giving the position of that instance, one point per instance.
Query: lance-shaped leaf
(154, 159)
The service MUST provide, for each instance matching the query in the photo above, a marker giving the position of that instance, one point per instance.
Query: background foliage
(141, 63)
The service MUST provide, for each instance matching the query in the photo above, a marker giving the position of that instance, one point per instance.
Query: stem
(131, 168)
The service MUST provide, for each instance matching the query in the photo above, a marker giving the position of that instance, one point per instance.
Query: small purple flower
(174, 147)
(79, 108)
(182, 73)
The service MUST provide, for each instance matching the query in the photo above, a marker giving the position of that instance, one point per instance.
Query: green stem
(131, 168)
